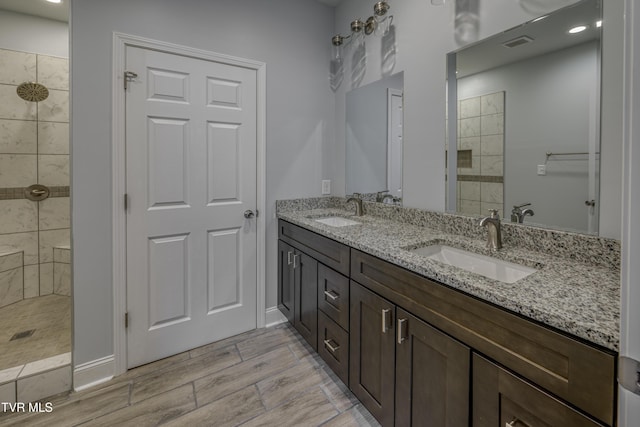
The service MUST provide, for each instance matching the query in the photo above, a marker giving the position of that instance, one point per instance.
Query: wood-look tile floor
(266, 377)
(49, 315)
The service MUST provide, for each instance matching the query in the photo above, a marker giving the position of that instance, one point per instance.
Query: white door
(191, 175)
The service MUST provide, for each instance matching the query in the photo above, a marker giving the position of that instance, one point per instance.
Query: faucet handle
(494, 213)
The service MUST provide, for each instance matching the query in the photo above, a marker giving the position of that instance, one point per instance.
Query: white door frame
(120, 43)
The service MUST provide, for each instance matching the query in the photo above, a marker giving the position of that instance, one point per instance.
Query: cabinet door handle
(515, 422)
(402, 330)
(289, 253)
(386, 320)
(328, 344)
(332, 294)
(295, 257)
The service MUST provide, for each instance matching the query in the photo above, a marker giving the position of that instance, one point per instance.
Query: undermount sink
(337, 221)
(491, 268)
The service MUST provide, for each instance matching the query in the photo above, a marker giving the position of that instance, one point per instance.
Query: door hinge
(629, 374)
(126, 320)
(129, 76)
(126, 201)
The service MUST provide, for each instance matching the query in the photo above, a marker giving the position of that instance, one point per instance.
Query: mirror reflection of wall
(374, 139)
(551, 88)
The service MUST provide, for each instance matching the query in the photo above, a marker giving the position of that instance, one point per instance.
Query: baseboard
(92, 373)
(273, 317)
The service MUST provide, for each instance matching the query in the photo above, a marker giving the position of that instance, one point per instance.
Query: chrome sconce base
(367, 27)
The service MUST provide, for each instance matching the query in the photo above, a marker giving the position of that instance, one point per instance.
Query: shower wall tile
(53, 72)
(53, 138)
(8, 392)
(55, 108)
(31, 281)
(492, 103)
(61, 278)
(26, 242)
(469, 127)
(11, 283)
(492, 166)
(18, 216)
(43, 385)
(470, 190)
(18, 137)
(470, 107)
(54, 213)
(469, 207)
(62, 254)
(46, 278)
(492, 124)
(53, 169)
(474, 169)
(10, 260)
(50, 239)
(13, 107)
(18, 170)
(492, 145)
(17, 67)
(492, 192)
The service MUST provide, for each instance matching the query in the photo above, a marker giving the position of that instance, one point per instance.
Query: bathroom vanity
(420, 342)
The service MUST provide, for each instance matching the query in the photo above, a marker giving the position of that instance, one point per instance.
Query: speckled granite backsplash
(571, 246)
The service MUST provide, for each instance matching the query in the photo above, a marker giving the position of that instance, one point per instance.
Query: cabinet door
(432, 375)
(372, 348)
(306, 297)
(285, 280)
(502, 399)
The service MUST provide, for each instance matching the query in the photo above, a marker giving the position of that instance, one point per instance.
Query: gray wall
(547, 108)
(424, 34)
(33, 34)
(291, 36)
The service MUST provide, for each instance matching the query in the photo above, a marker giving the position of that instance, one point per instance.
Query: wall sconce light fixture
(378, 23)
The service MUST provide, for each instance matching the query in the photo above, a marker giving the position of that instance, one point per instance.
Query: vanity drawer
(501, 398)
(327, 251)
(333, 295)
(576, 372)
(333, 346)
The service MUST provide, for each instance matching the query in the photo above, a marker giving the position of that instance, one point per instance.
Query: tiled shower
(34, 235)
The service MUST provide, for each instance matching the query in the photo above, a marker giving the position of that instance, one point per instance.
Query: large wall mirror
(374, 139)
(524, 122)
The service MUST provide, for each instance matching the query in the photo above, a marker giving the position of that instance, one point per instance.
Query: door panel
(306, 297)
(372, 353)
(432, 376)
(191, 148)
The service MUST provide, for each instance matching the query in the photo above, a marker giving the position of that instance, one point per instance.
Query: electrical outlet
(542, 169)
(326, 186)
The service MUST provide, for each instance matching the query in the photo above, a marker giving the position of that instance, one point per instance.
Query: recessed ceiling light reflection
(577, 29)
(55, 1)
(598, 24)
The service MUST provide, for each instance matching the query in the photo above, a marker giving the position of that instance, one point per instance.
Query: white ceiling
(42, 8)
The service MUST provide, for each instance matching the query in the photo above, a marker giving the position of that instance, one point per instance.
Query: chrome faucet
(382, 195)
(492, 222)
(358, 202)
(518, 213)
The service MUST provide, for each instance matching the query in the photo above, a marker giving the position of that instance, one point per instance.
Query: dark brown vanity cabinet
(306, 282)
(404, 371)
(417, 352)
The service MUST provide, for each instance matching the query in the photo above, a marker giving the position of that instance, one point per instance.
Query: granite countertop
(578, 298)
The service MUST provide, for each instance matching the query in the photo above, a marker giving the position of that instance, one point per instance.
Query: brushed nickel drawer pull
(289, 253)
(386, 320)
(330, 347)
(295, 257)
(332, 294)
(402, 330)
(514, 422)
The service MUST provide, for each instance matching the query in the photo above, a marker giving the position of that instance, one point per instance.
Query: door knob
(249, 213)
